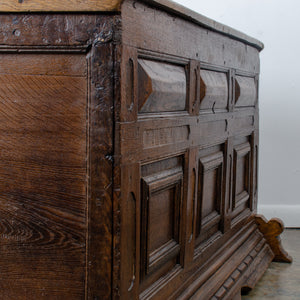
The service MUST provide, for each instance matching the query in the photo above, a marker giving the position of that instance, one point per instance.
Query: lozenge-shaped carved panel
(161, 87)
(245, 91)
(213, 90)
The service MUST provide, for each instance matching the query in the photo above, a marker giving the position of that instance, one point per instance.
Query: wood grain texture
(214, 88)
(271, 230)
(165, 36)
(162, 87)
(59, 6)
(42, 180)
(245, 91)
(47, 64)
(116, 183)
(192, 16)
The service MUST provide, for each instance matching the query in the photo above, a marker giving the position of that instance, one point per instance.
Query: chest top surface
(115, 6)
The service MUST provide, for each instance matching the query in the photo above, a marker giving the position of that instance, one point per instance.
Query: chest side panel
(43, 175)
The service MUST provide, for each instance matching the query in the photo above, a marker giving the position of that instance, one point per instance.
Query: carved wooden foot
(271, 231)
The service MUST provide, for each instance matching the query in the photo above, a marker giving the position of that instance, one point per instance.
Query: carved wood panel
(209, 213)
(214, 89)
(161, 88)
(245, 91)
(242, 172)
(161, 189)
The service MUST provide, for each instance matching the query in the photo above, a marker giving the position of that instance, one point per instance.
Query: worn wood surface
(192, 16)
(59, 32)
(165, 36)
(59, 6)
(103, 73)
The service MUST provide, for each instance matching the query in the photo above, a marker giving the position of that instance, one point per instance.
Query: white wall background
(276, 24)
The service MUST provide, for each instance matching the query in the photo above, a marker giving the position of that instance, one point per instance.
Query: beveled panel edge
(199, 19)
(59, 5)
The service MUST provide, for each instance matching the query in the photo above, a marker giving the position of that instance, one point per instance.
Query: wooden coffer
(129, 141)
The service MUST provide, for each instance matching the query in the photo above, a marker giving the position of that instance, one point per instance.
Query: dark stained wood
(210, 194)
(271, 230)
(161, 204)
(101, 160)
(43, 178)
(56, 168)
(129, 154)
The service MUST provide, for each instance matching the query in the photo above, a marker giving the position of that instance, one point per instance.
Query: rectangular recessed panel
(43, 175)
(241, 175)
(210, 187)
(213, 90)
(160, 220)
(161, 87)
(165, 136)
(209, 199)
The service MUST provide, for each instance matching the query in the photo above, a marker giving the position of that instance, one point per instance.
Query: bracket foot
(271, 231)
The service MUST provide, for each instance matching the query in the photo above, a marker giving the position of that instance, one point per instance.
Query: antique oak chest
(129, 153)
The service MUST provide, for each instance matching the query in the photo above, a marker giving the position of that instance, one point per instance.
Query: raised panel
(245, 91)
(160, 220)
(161, 87)
(210, 189)
(241, 176)
(213, 90)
